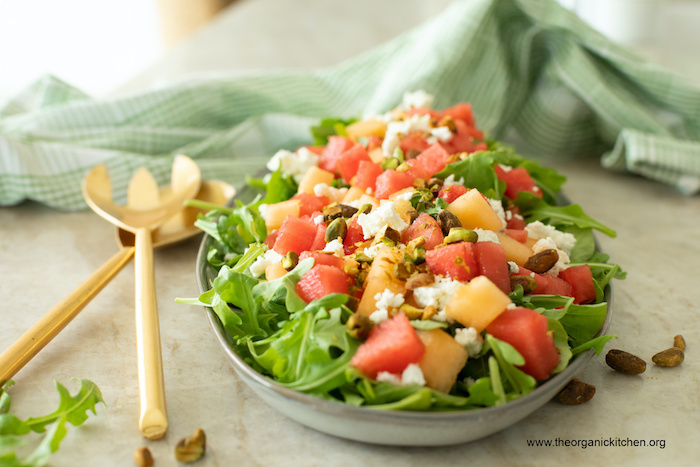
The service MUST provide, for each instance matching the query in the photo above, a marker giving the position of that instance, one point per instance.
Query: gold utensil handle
(153, 419)
(53, 322)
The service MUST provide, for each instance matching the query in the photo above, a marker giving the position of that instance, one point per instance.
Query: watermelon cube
(455, 261)
(391, 346)
(320, 281)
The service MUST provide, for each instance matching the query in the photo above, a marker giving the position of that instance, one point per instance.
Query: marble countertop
(44, 254)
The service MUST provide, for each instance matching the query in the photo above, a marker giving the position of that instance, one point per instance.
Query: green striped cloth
(533, 71)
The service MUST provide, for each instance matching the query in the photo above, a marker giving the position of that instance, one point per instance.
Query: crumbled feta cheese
(386, 377)
(293, 164)
(397, 130)
(261, 263)
(442, 133)
(385, 300)
(450, 180)
(497, 207)
(384, 215)
(505, 168)
(512, 305)
(372, 251)
(378, 316)
(418, 99)
(334, 247)
(262, 209)
(486, 236)
(437, 294)
(335, 195)
(406, 196)
(412, 374)
(318, 220)
(563, 240)
(470, 339)
(513, 268)
(388, 299)
(546, 244)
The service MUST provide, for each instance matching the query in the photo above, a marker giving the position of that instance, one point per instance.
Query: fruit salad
(404, 261)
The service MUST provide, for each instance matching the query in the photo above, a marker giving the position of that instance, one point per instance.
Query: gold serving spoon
(143, 213)
(176, 229)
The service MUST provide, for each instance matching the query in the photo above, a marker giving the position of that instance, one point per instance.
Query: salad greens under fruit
(405, 262)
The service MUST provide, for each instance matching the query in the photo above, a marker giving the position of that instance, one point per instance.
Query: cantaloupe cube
(274, 214)
(379, 278)
(353, 194)
(473, 211)
(367, 199)
(377, 155)
(442, 361)
(371, 127)
(274, 271)
(477, 303)
(515, 251)
(313, 177)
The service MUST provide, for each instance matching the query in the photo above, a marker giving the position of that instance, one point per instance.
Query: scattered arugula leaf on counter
(71, 409)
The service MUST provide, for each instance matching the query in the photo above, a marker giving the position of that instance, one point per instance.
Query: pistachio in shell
(576, 392)
(143, 457)
(679, 342)
(447, 221)
(625, 362)
(669, 357)
(543, 261)
(529, 284)
(191, 448)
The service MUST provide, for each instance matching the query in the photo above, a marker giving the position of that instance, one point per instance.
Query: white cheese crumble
(385, 300)
(261, 263)
(335, 195)
(397, 130)
(497, 207)
(546, 244)
(450, 180)
(318, 220)
(334, 247)
(513, 268)
(376, 220)
(406, 196)
(418, 99)
(563, 240)
(293, 164)
(440, 133)
(486, 236)
(372, 251)
(412, 374)
(437, 294)
(505, 168)
(470, 339)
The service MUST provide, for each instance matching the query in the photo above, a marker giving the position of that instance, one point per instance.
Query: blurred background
(99, 45)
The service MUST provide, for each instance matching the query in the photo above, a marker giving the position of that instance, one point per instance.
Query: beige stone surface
(44, 254)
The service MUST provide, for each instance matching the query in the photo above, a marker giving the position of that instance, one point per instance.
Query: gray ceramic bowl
(399, 428)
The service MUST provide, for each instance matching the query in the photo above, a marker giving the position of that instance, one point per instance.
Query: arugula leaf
(536, 209)
(596, 344)
(477, 171)
(329, 127)
(71, 409)
(508, 358)
(288, 282)
(277, 186)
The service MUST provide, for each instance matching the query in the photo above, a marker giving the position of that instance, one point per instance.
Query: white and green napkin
(533, 71)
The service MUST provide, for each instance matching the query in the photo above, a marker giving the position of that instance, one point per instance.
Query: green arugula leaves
(71, 409)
